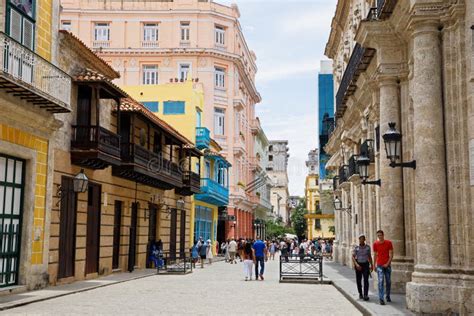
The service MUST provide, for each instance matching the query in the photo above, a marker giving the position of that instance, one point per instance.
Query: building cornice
(337, 28)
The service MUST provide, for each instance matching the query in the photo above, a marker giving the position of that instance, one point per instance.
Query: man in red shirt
(383, 254)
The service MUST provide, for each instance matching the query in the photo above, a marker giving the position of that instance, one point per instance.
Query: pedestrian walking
(209, 254)
(284, 250)
(362, 259)
(260, 257)
(195, 253)
(273, 249)
(232, 250)
(249, 260)
(383, 254)
(203, 252)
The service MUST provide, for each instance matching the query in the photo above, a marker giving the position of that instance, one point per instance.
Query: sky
(288, 37)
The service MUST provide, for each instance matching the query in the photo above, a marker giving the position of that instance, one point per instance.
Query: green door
(12, 174)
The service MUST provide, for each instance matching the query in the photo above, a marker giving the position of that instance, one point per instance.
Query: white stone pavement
(219, 289)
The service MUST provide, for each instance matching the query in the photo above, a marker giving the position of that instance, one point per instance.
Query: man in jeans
(260, 257)
(383, 254)
(362, 259)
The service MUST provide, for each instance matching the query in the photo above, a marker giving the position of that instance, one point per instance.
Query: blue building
(326, 112)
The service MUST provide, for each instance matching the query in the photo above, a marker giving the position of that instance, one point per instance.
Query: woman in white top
(209, 254)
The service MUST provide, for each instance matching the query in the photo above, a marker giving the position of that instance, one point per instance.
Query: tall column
(429, 291)
(391, 192)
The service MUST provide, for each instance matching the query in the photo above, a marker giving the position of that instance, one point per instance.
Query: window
(184, 71)
(102, 32)
(66, 25)
(185, 31)
(208, 170)
(151, 105)
(219, 77)
(173, 107)
(317, 223)
(270, 148)
(150, 32)
(198, 118)
(150, 74)
(203, 222)
(21, 23)
(270, 158)
(219, 35)
(219, 121)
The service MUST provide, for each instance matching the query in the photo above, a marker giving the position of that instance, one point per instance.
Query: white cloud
(284, 70)
(308, 23)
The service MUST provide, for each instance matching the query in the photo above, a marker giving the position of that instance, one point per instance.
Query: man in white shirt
(232, 250)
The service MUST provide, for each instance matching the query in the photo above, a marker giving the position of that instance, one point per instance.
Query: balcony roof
(131, 105)
(92, 76)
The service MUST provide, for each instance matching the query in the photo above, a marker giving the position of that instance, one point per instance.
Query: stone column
(391, 191)
(429, 291)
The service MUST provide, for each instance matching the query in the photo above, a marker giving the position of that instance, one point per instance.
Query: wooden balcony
(94, 147)
(30, 77)
(191, 184)
(144, 166)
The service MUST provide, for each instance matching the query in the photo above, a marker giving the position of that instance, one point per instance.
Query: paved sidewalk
(344, 280)
(20, 299)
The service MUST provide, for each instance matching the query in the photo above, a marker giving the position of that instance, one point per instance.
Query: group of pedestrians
(364, 265)
(201, 251)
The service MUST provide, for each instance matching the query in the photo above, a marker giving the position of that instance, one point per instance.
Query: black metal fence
(302, 268)
(179, 263)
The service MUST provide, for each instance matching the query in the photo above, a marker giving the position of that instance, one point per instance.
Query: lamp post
(393, 140)
(338, 206)
(364, 162)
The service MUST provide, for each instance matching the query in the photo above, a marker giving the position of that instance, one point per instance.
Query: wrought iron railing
(343, 174)
(347, 78)
(95, 137)
(353, 166)
(303, 267)
(21, 64)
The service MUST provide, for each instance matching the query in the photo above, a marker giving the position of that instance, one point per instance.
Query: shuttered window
(20, 23)
(151, 105)
(173, 107)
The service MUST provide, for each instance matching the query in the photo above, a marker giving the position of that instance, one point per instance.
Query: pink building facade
(152, 42)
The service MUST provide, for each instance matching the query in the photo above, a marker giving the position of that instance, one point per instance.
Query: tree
(298, 220)
(275, 229)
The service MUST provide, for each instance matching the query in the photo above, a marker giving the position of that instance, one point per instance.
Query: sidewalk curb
(42, 299)
(354, 301)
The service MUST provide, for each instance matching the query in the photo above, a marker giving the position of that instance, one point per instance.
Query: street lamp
(364, 162)
(338, 206)
(393, 140)
(79, 185)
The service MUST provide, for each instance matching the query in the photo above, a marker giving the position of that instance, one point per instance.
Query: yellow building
(320, 222)
(31, 86)
(181, 105)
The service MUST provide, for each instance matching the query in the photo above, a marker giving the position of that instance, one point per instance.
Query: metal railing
(353, 166)
(26, 67)
(95, 137)
(301, 267)
(178, 263)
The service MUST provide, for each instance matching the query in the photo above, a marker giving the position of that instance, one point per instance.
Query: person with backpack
(203, 252)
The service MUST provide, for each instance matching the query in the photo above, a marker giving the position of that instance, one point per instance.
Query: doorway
(132, 243)
(116, 238)
(67, 229)
(93, 229)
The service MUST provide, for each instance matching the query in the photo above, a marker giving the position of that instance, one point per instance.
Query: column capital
(390, 73)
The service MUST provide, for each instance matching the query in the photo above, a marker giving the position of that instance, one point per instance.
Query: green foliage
(275, 229)
(297, 219)
(332, 229)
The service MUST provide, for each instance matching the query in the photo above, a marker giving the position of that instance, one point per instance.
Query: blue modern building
(326, 112)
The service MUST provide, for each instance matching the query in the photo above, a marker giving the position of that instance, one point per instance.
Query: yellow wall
(44, 9)
(215, 215)
(40, 145)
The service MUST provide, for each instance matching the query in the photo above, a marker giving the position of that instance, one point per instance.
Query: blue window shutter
(173, 107)
(151, 105)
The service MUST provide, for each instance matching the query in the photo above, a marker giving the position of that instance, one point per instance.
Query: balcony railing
(150, 44)
(203, 138)
(101, 44)
(343, 174)
(255, 126)
(264, 202)
(353, 166)
(213, 192)
(95, 138)
(382, 10)
(192, 181)
(367, 149)
(34, 78)
(359, 61)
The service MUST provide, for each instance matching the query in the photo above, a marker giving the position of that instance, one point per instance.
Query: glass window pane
(2, 196)
(8, 200)
(18, 172)
(10, 168)
(3, 162)
(17, 201)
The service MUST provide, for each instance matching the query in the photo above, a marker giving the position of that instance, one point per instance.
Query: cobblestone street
(215, 290)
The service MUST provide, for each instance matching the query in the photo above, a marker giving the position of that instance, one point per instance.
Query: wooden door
(117, 229)
(182, 234)
(93, 229)
(173, 231)
(151, 228)
(132, 243)
(67, 229)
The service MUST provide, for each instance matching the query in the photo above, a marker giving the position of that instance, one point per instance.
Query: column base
(439, 291)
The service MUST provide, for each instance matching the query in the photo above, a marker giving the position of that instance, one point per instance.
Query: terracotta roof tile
(89, 75)
(131, 105)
